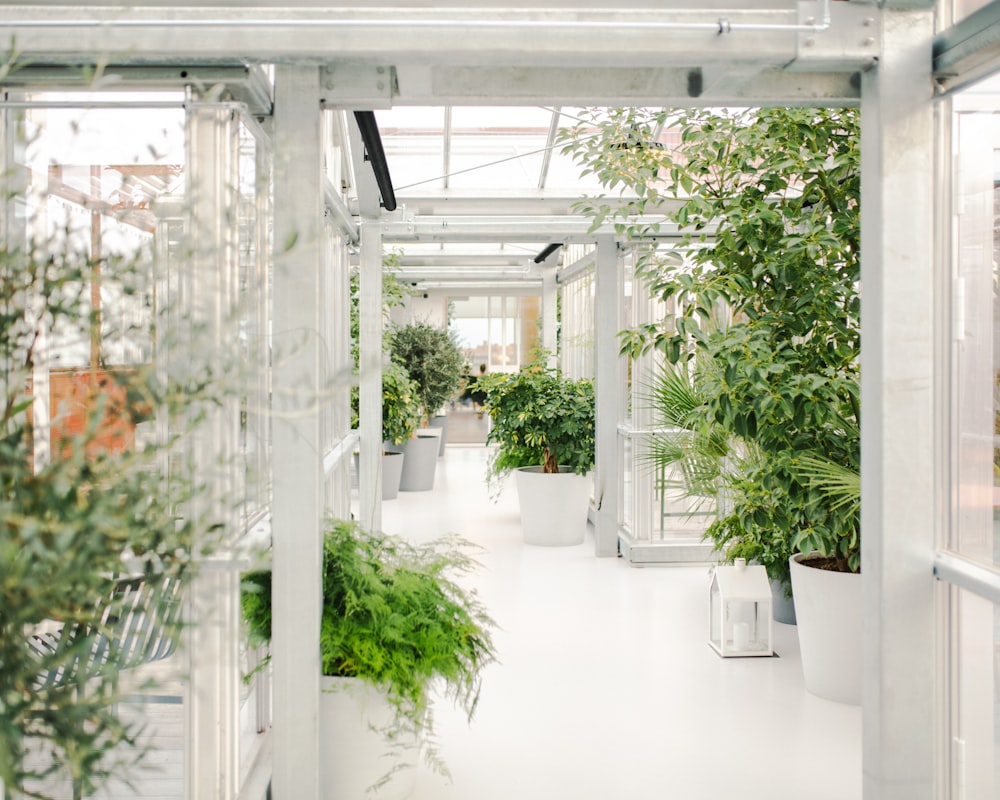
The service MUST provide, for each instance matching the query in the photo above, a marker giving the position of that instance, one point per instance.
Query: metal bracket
(358, 86)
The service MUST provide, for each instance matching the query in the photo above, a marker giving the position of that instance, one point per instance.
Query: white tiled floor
(607, 688)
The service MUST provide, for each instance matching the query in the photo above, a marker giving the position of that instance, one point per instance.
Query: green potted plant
(771, 202)
(400, 417)
(400, 409)
(543, 427)
(435, 363)
(394, 620)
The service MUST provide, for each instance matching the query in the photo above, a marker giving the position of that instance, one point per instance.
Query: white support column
(297, 425)
(899, 457)
(370, 388)
(606, 326)
(212, 743)
(550, 290)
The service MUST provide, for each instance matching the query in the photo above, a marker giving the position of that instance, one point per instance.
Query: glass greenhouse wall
(194, 188)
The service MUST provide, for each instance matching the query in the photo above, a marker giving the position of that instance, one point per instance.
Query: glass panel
(975, 690)
(413, 141)
(492, 150)
(94, 179)
(976, 316)
(963, 8)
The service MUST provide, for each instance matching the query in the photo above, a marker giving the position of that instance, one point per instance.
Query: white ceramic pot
(355, 757)
(420, 460)
(828, 613)
(553, 507)
(783, 607)
(392, 473)
(392, 470)
(440, 421)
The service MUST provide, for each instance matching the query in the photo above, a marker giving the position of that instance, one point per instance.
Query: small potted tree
(395, 626)
(435, 363)
(543, 427)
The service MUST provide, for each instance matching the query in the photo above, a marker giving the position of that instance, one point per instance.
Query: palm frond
(840, 485)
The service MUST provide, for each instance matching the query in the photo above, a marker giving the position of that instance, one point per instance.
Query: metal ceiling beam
(969, 50)
(550, 141)
(446, 148)
(509, 229)
(511, 202)
(465, 260)
(247, 84)
(601, 38)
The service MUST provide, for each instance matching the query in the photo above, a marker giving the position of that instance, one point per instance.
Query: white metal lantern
(740, 601)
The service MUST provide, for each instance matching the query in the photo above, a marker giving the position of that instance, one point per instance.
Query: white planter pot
(783, 607)
(420, 461)
(392, 473)
(354, 755)
(440, 421)
(553, 507)
(828, 612)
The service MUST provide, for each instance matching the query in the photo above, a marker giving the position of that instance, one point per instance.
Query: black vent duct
(547, 252)
(376, 156)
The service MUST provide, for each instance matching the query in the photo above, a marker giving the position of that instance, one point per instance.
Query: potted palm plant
(434, 362)
(543, 427)
(396, 625)
(771, 201)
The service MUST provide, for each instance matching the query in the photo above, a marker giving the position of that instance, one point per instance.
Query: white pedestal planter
(553, 507)
(420, 461)
(354, 755)
(828, 612)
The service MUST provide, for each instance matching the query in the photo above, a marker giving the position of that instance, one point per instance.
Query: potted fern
(395, 626)
(542, 424)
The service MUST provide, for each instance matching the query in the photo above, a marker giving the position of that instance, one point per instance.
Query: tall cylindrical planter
(440, 421)
(420, 460)
(783, 607)
(553, 507)
(355, 754)
(392, 473)
(828, 612)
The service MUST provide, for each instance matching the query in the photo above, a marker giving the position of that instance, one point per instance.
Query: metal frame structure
(294, 67)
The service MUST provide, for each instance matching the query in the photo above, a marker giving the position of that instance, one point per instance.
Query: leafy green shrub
(539, 418)
(400, 410)
(432, 359)
(395, 617)
(88, 512)
(770, 201)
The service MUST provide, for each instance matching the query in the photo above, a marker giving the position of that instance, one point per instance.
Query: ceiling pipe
(375, 155)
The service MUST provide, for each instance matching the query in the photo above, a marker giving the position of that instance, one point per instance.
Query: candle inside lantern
(741, 636)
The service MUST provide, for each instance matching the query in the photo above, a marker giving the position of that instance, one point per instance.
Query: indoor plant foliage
(400, 409)
(400, 404)
(770, 202)
(395, 616)
(88, 512)
(432, 359)
(539, 418)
